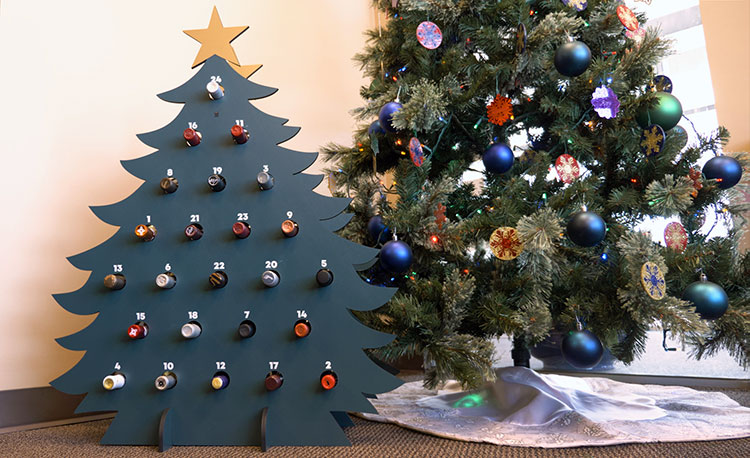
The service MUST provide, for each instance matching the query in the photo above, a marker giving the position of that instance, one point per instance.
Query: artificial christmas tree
(584, 99)
(226, 317)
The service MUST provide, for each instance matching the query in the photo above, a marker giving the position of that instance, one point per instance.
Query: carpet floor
(369, 439)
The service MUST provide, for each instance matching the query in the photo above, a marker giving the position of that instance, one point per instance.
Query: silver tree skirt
(527, 409)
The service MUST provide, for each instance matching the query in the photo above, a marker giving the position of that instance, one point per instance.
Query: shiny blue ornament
(386, 115)
(725, 170)
(586, 229)
(498, 158)
(375, 128)
(582, 349)
(572, 58)
(396, 257)
(709, 299)
(378, 230)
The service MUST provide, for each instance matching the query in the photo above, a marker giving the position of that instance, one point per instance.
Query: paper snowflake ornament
(675, 236)
(416, 152)
(567, 168)
(505, 243)
(578, 5)
(652, 140)
(653, 282)
(429, 35)
(605, 102)
(627, 18)
(500, 110)
(636, 35)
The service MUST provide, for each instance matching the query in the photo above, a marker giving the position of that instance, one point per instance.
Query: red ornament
(567, 168)
(695, 175)
(627, 17)
(675, 236)
(440, 215)
(500, 110)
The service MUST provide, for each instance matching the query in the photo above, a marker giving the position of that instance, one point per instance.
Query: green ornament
(666, 113)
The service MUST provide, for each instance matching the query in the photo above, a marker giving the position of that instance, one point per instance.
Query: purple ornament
(429, 35)
(605, 102)
(416, 152)
(578, 5)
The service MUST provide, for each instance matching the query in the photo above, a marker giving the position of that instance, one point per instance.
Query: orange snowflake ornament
(500, 110)
(505, 243)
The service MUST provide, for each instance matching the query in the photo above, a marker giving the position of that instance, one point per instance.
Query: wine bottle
(169, 185)
(324, 277)
(218, 279)
(138, 330)
(274, 380)
(166, 280)
(217, 182)
(265, 181)
(114, 281)
(246, 329)
(145, 232)
(215, 91)
(192, 136)
(289, 228)
(191, 330)
(114, 381)
(302, 328)
(270, 278)
(239, 134)
(194, 231)
(166, 381)
(328, 379)
(220, 381)
(241, 229)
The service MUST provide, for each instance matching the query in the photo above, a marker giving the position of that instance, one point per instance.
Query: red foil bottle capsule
(328, 380)
(192, 136)
(274, 380)
(239, 134)
(289, 228)
(139, 330)
(302, 328)
(241, 229)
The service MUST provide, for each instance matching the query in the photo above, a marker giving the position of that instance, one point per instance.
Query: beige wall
(80, 80)
(725, 23)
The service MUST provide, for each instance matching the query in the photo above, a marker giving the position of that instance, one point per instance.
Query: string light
(604, 257)
(434, 239)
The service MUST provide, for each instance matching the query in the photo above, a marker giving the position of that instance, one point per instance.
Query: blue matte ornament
(726, 170)
(572, 58)
(386, 115)
(710, 300)
(582, 349)
(378, 230)
(396, 257)
(586, 229)
(375, 128)
(498, 158)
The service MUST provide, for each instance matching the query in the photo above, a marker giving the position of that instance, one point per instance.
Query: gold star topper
(216, 40)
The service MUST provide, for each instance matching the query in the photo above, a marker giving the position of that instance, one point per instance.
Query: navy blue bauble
(725, 170)
(378, 230)
(572, 58)
(395, 257)
(586, 229)
(582, 349)
(375, 128)
(709, 299)
(498, 158)
(386, 115)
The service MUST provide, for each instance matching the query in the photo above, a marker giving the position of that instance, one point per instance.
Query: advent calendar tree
(225, 313)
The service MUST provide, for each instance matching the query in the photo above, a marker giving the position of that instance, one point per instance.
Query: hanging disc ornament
(498, 158)
(505, 243)
(395, 257)
(521, 38)
(709, 299)
(726, 170)
(653, 282)
(636, 35)
(582, 349)
(579, 5)
(661, 83)
(605, 102)
(679, 136)
(652, 140)
(586, 229)
(572, 58)
(675, 236)
(666, 112)
(386, 115)
(500, 110)
(429, 35)
(627, 17)
(567, 168)
(416, 152)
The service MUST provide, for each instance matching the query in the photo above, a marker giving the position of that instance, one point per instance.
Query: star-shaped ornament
(216, 39)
